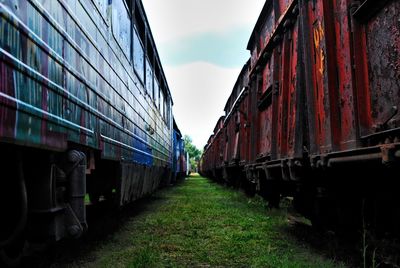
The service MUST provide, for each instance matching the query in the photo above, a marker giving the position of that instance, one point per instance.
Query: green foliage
(194, 152)
(202, 224)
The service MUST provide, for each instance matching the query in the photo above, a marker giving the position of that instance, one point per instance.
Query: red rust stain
(344, 69)
(265, 131)
(292, 100)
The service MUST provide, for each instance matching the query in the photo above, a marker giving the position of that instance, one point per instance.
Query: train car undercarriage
(43, 194)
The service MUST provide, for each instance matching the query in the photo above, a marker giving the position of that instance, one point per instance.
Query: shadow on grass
(348, 247)
(104, 220)
(340, 248)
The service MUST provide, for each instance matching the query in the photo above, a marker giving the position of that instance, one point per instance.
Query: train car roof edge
(259, 22)
(245, 66)
(154, 45)
(176, 128)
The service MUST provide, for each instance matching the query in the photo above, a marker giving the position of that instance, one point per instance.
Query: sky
(202, 46)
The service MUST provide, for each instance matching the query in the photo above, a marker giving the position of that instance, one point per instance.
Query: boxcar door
(244, 135)
(265, 111)
(376, 42)
(290, 99)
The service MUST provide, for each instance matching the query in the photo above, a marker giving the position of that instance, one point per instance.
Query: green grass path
(202, 224)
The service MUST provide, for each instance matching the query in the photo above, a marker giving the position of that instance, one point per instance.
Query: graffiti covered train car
(85, 108)
(318, 119)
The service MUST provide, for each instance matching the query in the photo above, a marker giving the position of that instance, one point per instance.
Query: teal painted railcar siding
(65, 77)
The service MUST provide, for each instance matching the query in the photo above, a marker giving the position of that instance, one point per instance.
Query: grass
(203, 224)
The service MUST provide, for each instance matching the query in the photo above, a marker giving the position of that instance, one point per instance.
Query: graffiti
(319, 48)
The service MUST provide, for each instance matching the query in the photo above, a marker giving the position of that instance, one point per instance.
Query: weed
(202, 224)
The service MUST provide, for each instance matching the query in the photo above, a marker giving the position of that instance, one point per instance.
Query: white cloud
(200, 91)
(176, 19)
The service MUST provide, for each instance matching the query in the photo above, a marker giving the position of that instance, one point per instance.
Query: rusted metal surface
(244, 129)
(382, 41)
(264, 132)
(343, 58)
(220, 149)
(212, 158)
(283, 5)
(323, 78)
(289, 91)
(316, 76)
(229, 143)
(236, 119)
(323, 96)
(277, 133)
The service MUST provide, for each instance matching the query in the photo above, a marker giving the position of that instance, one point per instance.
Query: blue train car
(85, 108)
(180, 158)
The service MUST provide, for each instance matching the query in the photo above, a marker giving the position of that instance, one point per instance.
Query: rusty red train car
(212, 162)
(322, 121)
(236, 129)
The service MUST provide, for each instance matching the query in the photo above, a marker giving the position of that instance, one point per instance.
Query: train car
(217, 149)
(324, 90)
(209, 160)
(353, 120)
(180, 159)
(279, 130)
(236, 129)
(206, 161)
(85, 108)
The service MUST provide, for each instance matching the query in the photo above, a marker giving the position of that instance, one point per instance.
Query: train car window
(138, 55)
(167, 111)
(121, 24)
(156, 93)
(149, 78)
(162, 104)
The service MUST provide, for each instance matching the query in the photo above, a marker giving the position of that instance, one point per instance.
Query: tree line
(194, 153)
